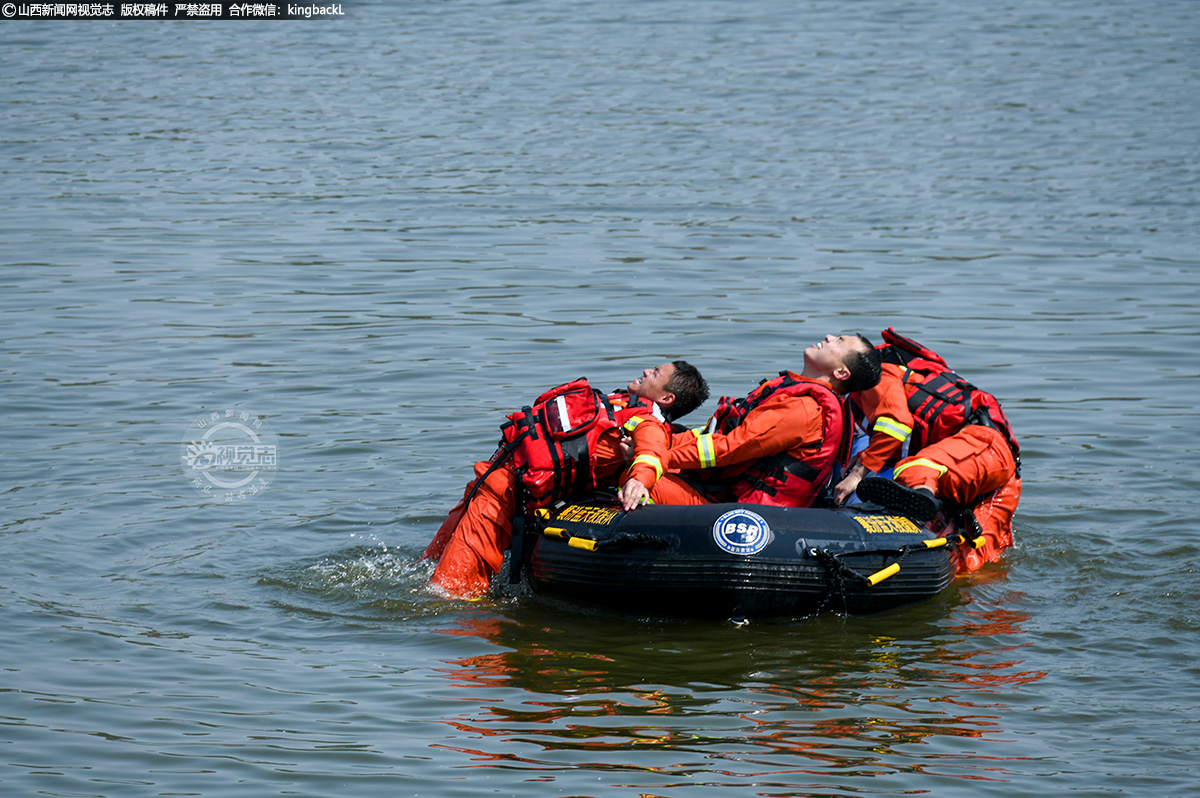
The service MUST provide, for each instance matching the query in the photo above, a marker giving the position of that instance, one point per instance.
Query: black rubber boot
(919, 504)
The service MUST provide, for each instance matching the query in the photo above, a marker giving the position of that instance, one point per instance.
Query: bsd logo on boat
(741, 532)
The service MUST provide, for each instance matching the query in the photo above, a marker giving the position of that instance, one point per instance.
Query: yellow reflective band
(879, 576)
(632, 423)
(651, 461)
(698, 431)
(890, 426)
(921, 461)
(708, 456)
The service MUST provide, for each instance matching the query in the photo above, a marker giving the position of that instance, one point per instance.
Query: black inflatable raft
(734, 560)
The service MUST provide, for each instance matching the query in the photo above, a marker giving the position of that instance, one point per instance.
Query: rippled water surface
(378, 233)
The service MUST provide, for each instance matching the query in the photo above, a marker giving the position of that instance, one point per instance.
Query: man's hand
(633, 494)
(849, 484)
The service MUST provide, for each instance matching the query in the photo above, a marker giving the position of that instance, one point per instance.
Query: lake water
(376, 234)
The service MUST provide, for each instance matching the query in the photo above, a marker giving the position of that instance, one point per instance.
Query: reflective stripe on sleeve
(632, 423)
(921, 461)
(891, 426)
(651, 461)
(704, 447)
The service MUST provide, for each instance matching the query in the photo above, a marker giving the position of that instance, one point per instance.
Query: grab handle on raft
(963, 540)
(894, 568)
(879, 576)
(619, 542)
(573, 541)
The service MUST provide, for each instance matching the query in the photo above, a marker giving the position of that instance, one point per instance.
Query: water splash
(366, 582)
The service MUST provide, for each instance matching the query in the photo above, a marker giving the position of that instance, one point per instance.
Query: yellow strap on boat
(542, 512)
(879, 576)
(935, 543)
(890, 426)
(979, 542)
(554, 531)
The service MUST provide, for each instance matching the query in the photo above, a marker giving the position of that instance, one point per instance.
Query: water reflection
(560, 692)
(777, 704)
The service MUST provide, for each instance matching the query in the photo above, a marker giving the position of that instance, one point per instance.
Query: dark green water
(379, 233)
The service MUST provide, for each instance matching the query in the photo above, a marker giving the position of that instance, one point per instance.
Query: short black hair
(689, 388)
(865, 368)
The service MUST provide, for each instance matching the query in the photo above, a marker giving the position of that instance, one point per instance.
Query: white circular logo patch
(742, 532)
(230, 455)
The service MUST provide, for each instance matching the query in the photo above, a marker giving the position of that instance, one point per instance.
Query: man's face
(829, 354)
(652, 385)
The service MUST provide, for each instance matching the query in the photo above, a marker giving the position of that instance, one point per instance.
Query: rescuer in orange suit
(778, 445)
(469, 547)
(973, 466)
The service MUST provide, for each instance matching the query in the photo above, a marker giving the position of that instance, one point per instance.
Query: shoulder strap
(502, 456)
(905, 349)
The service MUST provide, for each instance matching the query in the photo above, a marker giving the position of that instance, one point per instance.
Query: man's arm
(779, 424)
(886, 409)
(650, 442)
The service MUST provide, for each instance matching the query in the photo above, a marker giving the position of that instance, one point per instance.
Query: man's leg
(974, 461)
(483, 533)
(970, 463)
(995, 514)
(672, 489)
(436, 546)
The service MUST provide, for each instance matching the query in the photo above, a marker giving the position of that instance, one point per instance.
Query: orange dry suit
(959, 443)
(470, 544)
(776, 446)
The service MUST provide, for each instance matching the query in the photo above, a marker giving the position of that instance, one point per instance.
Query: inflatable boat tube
(734, 560)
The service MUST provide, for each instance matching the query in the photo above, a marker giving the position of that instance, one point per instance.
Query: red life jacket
(783, 480)
(941, 401)
(552, 443)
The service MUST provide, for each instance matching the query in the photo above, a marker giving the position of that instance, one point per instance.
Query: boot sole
(894, 496)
